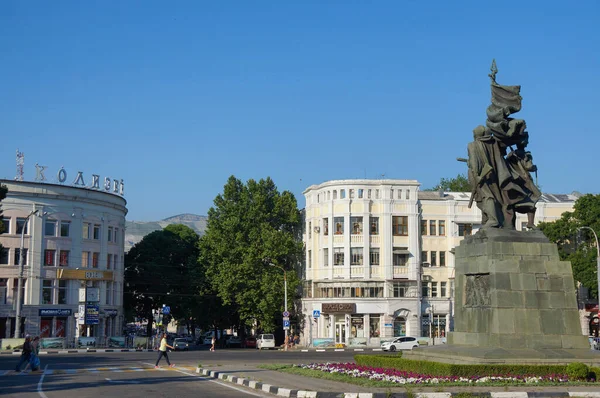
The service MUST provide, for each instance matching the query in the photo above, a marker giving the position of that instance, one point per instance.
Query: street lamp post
(597, 258)
(285, 300)
(20, 283)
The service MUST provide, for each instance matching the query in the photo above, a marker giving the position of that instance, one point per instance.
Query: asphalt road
(132, 374)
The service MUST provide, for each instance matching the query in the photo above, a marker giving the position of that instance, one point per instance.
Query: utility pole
(20, 284)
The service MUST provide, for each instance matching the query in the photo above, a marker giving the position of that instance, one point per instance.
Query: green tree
(460, 183)
(161, 269)
(578, 245)
(250, 226)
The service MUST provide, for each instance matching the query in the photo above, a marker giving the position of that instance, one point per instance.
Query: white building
(379, 258)
(75, 237)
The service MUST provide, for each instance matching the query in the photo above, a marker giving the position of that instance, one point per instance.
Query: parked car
(265, 341)
(249, 342)
(233, 341)
(207, 340)
(400, 343)
(181, 344)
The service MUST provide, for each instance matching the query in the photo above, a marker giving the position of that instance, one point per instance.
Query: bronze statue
(502, 183)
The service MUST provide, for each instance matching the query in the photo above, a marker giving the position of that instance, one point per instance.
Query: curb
(286, 392)
(80, 351)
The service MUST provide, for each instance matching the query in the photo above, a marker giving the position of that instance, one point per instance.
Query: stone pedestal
(515, 302)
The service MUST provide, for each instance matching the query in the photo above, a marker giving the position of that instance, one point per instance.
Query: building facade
(379, 258)
(73, 237)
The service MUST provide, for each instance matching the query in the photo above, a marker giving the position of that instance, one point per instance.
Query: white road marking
(214, 381)
(39, 386)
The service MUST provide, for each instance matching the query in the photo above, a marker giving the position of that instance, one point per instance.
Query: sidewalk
(80, 350)
(289, 385)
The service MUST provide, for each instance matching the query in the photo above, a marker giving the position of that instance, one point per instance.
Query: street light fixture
(597, 258)
(285, 302)
(20, 284)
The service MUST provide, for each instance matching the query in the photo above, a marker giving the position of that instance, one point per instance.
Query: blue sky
(174, 97)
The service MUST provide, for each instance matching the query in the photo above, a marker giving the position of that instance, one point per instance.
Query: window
(22, 226)
(334, 194)
(374, 225)
(338, 256)
(342, 194)
(49, 256)
(465, 229)
(326, 257)
(47, 291)
(351, 193)
(309, 229)
(374, 256)
(65, 227)
(85, 259)
(85, 231)
(360, 193)
(3, 290)
(356, 254)
(18, 256)
(326, 226)
(64, 258)
(391, 194)
(399, 289)
(328, 195)
(432, 227)
(116, 235)
(442, 289)
(423, 227)
(400, 225)
(407, 194)
(6, 225)
(95, 259)
(62, 292)
(399, 194)
(433, 256)
(368, 194)
(4, 256)
(425, 289)
(399, 258)
(442, 259)
(442, 228)
(110, 234)
(108, 292)
(434, 289)
(50, 228)
(96, 231)
(357, 225)
(310, 259)
(374, 326)
(108, 260)
(377, 194)
(339, 225)
(423, 257)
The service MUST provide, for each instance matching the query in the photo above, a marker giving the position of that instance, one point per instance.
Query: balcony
(339, 239)
(400, 271)
(357, 271)
(375, 239)
(356, 239)
(376, 272)
(338, 272)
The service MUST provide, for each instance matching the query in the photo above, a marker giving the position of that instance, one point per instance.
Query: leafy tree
(578, 245)
(460, 183)
(251, 226)
(161, 269)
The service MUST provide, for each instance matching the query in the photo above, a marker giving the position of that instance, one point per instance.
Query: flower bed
(404, 377)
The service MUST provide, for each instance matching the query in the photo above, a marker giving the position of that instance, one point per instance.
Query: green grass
(291, 369)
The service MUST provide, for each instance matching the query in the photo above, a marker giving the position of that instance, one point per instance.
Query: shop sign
(55, 312)
(338, 308)
(84, 275)
(92, 315)
(110, 311)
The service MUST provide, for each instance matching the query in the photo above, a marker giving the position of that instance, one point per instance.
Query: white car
(400, 343)
(265, 341)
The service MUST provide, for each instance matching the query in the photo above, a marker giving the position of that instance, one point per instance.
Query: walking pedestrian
(25, 353)
(213, 342)
(34, 358)
(162, 351)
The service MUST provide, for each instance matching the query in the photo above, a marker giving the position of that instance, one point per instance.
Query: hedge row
(448, 369)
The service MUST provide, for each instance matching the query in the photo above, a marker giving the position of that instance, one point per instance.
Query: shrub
(577, 371)
(594, 373)
(448, 369)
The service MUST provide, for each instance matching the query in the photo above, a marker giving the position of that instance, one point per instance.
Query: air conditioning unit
(317, 229)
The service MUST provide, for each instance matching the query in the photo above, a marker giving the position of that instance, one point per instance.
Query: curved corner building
(75, 238)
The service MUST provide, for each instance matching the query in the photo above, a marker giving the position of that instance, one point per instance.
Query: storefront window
(61, 324)
(46, 327)
(374, 326)
(357, 326)
(399, 327)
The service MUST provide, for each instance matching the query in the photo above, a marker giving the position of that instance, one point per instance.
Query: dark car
(250, 342)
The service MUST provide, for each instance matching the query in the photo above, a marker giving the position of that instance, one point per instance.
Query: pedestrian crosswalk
(114, 369)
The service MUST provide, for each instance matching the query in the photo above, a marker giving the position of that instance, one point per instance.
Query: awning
(400, 251)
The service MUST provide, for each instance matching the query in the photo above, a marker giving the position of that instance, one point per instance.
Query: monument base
(487, 355)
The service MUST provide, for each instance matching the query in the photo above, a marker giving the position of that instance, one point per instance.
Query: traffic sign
(166, 310)
(286, 314)
(286, 325)
(316, 313)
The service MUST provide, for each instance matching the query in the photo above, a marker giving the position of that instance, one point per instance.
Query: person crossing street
(162, 351)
